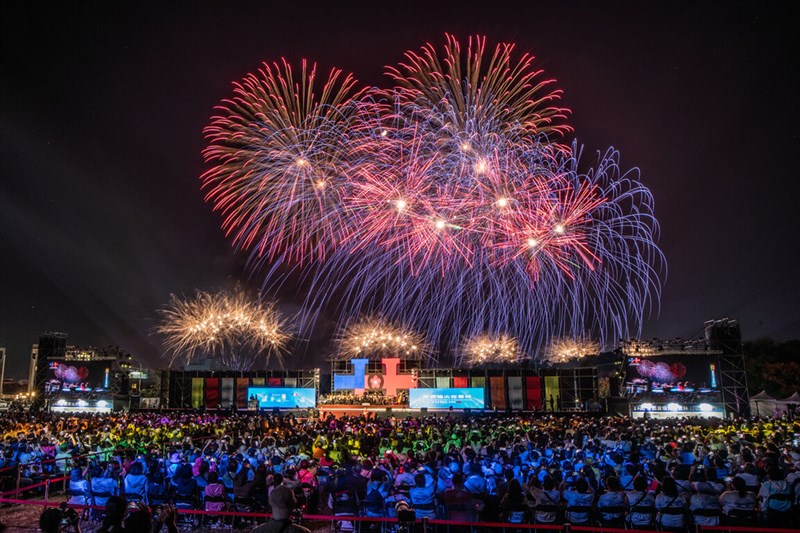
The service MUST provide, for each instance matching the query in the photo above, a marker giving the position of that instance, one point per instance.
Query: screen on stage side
(283, 398)
(78, 376)
(445, 398)
(675, 372)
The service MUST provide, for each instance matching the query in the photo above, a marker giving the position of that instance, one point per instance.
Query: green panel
(478, 382)
(197, 393)
(551, 391)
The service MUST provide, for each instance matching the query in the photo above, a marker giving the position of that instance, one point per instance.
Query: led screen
(78, 376)
(674, 373)
(445, 398)
(283, 398)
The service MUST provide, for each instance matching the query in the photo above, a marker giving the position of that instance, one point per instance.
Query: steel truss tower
(725, 335)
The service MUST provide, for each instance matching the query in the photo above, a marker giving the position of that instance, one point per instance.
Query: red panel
(274, 382)
(460, 382)
(533, 390)
(392, 381)
(212, 393)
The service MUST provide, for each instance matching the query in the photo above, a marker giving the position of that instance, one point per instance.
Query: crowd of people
(541, 469)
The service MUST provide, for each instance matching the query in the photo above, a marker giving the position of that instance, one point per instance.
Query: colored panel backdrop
(533, 393)
(442, 383)
(552, 393)
(212, 393)
(197, 393)
(241, 392)
(460, 382)
(257, 382)
(498, 388)
(478, 382)
(227, 392)
(515, 392)
(290, 383)
(274, 382)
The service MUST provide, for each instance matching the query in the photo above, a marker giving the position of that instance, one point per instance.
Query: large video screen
(283, 398)
(446, 398)
(673, 373)
(78, 376)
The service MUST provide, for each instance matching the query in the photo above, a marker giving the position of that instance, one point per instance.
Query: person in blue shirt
(579, 495)
(135, 482)
(103, 485)
(422, 495)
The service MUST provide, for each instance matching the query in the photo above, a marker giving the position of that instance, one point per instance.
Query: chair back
(573, 510)
(643, 510)
(616, 511)
(742, 517)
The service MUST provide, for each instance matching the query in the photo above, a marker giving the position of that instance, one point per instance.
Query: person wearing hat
(282, 502)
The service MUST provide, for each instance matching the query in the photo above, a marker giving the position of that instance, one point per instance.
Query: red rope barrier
(609, 529)
(34, 486)
(747, 529)
(329, 518)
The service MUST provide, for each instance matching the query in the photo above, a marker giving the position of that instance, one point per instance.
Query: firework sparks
(278, 150)
(375, 338)
(233, 328)
(566, 350)
(446, 202)
(490, 349)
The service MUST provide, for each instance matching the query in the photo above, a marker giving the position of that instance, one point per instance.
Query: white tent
(794, 398)
(762, 404)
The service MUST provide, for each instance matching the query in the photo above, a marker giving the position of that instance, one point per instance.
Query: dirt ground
(26, 518)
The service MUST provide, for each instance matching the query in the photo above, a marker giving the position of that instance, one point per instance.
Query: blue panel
(354, 380)
(283, 398)
(445, 398)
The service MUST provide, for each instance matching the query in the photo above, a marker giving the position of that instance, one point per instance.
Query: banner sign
(445, 398)
(283, 398)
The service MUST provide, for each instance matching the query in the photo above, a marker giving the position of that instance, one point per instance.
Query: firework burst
(490, 349)
(376, 338)
(447, 202)
(231, 327)
(278, 150)
(567, 349)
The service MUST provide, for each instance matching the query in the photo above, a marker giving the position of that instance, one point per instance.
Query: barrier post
(46, 490)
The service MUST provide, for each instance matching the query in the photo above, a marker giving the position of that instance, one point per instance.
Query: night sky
(102, 109)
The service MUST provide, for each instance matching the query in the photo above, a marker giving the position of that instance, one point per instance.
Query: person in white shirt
(670, 499)
(705, 499)
(548, 495)
(613, 497)
(737, 499)
(640, 497)
(749, 475)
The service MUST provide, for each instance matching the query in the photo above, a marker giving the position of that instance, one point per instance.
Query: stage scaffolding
(725, 335)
